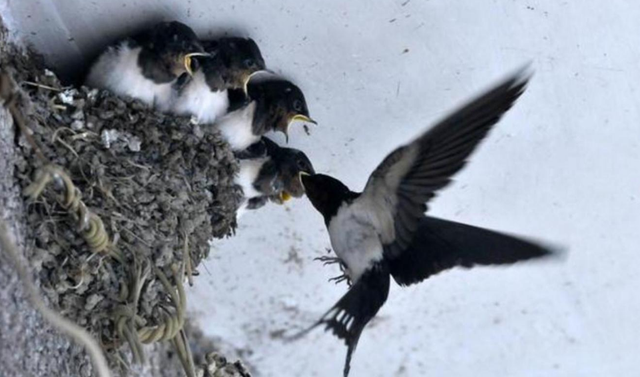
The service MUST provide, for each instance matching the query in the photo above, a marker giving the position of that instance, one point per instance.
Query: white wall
(563, 166)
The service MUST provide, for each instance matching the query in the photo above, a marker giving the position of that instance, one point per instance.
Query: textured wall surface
(562, 166)
(30, 346)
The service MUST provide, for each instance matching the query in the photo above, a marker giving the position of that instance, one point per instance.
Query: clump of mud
(162, 187)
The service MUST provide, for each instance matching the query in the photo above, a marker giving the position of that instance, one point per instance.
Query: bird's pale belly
(355, 241)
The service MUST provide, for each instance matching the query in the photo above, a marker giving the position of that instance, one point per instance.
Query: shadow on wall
(73, 71)
(72, 33)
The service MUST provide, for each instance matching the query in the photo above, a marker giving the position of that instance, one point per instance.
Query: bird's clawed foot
(340, 278)
(327, 260)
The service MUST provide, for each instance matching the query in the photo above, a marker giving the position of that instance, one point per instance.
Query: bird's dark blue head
(291, 164)
(326, 194)
(279, 103)
(167, 51)
(233, 61)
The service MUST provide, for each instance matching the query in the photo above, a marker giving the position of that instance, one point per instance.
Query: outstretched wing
(441, 244)
(348, 317)
(410, 176)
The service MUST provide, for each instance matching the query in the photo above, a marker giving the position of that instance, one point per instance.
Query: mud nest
(159, 186)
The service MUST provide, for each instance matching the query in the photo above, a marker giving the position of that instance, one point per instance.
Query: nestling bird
(148, 66)
(383, 230)
(273, 105)
(230, 65)
(273, 173)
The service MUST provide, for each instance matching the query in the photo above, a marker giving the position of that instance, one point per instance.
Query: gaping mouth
(188, 62)
(296, 117)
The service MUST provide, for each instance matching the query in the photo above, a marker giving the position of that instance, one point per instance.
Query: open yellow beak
(284, 196)
(297, 117)
(303, 118)
(187, 61)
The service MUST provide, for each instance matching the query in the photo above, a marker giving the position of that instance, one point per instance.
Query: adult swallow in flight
(383, 231)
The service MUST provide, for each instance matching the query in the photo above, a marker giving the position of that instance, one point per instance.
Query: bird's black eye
(249, 63)
(297, 105)
(302, 165)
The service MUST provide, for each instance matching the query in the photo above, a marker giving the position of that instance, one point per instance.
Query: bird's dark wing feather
(410, 176)
(440, 244)
(348, 317)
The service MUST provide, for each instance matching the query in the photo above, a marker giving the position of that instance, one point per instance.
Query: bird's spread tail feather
(348, 317)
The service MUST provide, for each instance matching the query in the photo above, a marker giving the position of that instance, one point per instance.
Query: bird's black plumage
(228, 65)
(163, 49)
(441, 152)
(278, 102)
(149, 66)
(384, 231)
(289, 163)
(233, 60)
(327, 194)
(439, 245)
(278, 175)
(273, 105)
(348, 317)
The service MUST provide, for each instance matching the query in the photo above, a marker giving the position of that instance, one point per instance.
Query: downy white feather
(117, 70)
(235, 127)
(198, 100)
(247, 174)
(355, 238)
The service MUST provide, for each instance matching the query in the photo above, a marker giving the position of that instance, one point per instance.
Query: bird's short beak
(187, 61)
(249, 76)
(302, 118)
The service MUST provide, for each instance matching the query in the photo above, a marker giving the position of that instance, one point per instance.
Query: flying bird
(272, 173)
(230, 65)
(383, 231)
(149, 65)
(272, 106)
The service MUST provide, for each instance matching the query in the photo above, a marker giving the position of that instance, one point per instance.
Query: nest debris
(123, 202)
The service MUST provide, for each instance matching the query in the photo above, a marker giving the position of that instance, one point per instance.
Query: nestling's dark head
(233, 60)
(167, 51)
(279, 103)
(326, 193)
(291, 163)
